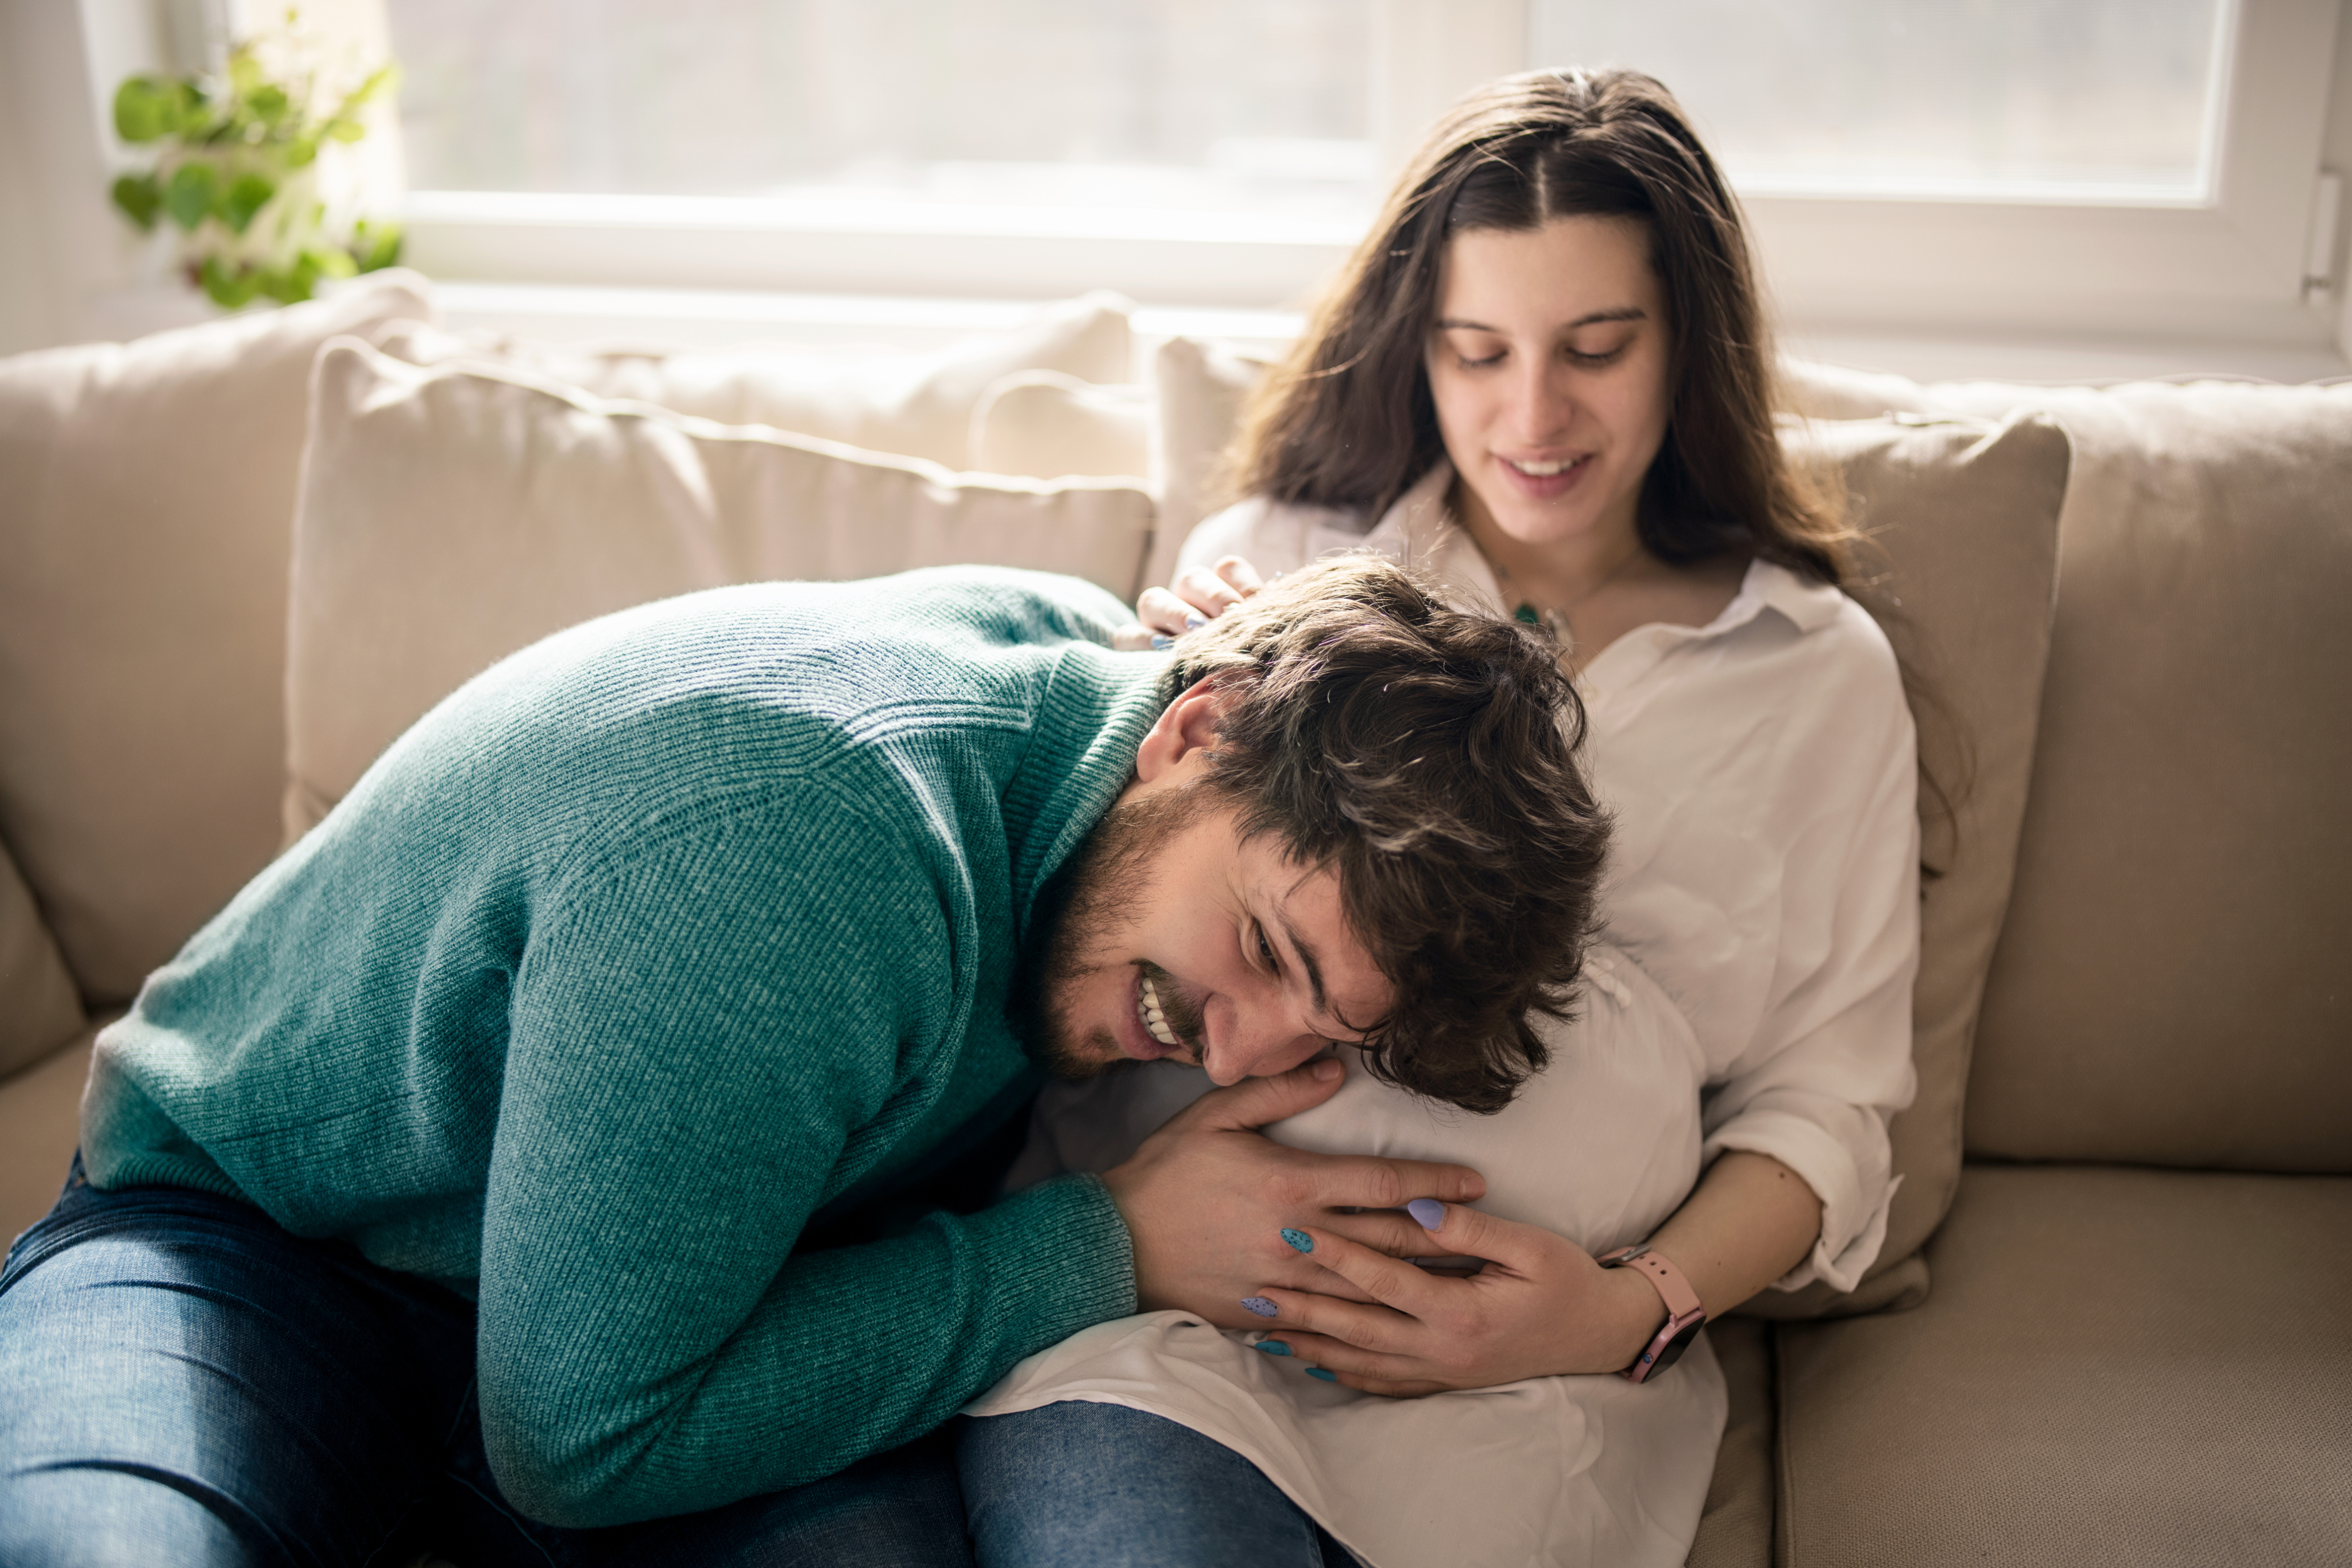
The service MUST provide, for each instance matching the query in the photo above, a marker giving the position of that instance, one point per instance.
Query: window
(2076, 169)
(2017, 100)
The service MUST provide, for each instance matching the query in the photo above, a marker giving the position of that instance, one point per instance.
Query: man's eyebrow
(1622, 313)
(1307, 961)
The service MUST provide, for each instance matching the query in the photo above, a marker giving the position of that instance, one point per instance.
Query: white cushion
(150, 502)
(1045, 424)
(915, 405)
(38, 1008)
(452, 515)
(1200, 389)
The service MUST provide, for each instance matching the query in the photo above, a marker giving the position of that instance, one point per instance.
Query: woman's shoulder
(1271, 536)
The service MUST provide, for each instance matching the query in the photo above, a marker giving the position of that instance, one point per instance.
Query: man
(503, 1163)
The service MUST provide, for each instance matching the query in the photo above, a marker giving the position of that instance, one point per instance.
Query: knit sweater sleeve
(706, 1042)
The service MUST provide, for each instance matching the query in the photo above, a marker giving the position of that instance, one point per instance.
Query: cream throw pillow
(1045, 424)
(149, 510)
(450, 515)
(913, 404)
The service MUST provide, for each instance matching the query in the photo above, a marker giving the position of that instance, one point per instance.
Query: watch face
(1671, 1352)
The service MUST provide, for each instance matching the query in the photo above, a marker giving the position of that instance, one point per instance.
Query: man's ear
(1184, 733)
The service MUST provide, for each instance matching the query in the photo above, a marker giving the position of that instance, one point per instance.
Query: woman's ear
(1181, 739)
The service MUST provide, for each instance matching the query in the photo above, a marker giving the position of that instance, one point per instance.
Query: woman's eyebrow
(1622, 313)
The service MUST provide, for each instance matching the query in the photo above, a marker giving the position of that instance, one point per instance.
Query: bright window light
(2073, 100)
(1229, 105)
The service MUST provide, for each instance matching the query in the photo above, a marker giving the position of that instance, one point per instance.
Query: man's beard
(1089, 901)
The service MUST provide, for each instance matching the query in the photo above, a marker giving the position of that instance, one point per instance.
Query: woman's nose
(1542, 404)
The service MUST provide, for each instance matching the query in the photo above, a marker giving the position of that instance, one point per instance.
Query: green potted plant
(237, 171)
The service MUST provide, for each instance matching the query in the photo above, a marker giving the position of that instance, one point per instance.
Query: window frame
(2231, 268)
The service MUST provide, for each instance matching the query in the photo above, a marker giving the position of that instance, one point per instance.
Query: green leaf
(346, 130)
(145, 109)
(381, 80)
(301, 151)
(267, 103)
(247, 196)
(190, 196)
(229, 290)
(141, 198)
(376, 245)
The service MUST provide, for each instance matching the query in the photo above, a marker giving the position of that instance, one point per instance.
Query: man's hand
(1540, 1306)
(1206, 1199)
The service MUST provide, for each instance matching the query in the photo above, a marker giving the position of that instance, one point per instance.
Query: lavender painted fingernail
(1260, 1305)
(1299, 1240)
(1194, 620)
(1273, 1347)
(1161, 641)
(1427, 1211)
(1323, 1372)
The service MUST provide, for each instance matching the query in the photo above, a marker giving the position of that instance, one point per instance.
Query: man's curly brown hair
(1431, 756)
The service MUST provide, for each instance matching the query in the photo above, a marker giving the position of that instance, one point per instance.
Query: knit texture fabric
(640, 948)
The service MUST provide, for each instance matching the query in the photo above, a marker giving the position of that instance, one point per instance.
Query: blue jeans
(1078, 1484)
(183, 1381)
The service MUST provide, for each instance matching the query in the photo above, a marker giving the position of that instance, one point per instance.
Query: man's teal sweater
(633, 954)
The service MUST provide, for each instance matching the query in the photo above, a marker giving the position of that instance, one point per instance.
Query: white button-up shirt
(1762, 771)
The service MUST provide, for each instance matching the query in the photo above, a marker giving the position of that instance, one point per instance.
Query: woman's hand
(1199, 596)
(1540, 1306)
(1206, 1198)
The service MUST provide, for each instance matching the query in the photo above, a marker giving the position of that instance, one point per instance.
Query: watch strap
(1685, 1315)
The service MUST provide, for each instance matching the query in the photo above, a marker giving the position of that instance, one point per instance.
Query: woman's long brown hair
(1345, 421)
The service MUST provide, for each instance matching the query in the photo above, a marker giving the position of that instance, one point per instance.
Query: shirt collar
(1419, 529)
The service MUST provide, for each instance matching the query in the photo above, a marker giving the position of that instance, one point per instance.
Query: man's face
(1180, 940)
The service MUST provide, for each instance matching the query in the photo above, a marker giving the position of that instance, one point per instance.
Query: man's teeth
(1543, 470)
(1155, 1021)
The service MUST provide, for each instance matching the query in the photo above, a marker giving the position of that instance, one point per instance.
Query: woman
(1544, 378)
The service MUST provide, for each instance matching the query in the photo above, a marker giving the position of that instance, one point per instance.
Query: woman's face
(1548, 364)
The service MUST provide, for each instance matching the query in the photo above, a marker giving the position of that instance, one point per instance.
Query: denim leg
(182, 1382)
(896, 1510)
(1080, 1484)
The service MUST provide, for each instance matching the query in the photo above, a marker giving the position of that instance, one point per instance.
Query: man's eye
(1265, 950)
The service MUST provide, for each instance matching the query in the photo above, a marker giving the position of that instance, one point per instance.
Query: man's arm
(707, 1042)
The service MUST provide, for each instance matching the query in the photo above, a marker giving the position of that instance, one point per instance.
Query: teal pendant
(1526, 615)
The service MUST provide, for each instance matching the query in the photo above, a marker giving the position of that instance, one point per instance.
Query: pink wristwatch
(1684, 1316)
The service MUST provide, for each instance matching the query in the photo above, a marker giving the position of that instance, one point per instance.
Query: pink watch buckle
(1684, 1316)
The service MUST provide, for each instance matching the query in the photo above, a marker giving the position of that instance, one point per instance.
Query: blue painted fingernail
(1194, 620)
(1161, 641)
(1274, 1348)
(1299, 1240)
(1428, 1211)
(1260, 1305)
(1327, 1375)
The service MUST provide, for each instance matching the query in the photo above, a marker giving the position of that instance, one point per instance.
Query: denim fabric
(183, 1381)
(1080, 1484)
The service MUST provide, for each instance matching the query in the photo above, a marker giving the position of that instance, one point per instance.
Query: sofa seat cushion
(1735, 1531)
(2117, 1365)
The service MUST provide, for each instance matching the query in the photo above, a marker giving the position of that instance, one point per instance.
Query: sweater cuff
(1061, 1256)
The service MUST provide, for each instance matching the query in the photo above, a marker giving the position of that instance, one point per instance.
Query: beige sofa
(2110, 1324)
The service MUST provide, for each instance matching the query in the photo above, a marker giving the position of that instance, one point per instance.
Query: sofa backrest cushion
(2169, 986)
(452, 515)
(146, 503)
(916, 404)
